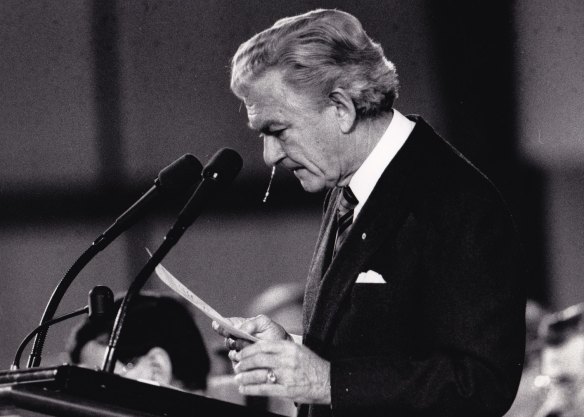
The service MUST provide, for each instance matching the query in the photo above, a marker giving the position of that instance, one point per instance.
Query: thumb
(256, 324)
(234, 321)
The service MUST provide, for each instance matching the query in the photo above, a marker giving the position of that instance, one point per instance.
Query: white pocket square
(370, 277)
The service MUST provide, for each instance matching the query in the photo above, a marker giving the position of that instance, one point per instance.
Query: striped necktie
(344, 216)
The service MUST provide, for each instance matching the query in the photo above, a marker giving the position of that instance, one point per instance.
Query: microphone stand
(187, 216)
(177, 175)
(100, 307)
(169, 241)
(56, 297)
(42, 327)
(59, 292)
(218, 173)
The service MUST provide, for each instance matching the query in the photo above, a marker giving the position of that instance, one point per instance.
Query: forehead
(270, 100)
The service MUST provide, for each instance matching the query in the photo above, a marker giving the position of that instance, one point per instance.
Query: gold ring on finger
(271, 377)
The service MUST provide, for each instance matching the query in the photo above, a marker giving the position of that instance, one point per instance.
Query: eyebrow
(264, 127)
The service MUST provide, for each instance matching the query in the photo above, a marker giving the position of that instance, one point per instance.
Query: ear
(345, 109)
(159, 366)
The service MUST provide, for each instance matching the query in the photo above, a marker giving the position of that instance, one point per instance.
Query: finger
(241, 344)
(234, 321)
(235, 344)
(232, 356)
(219, 329)
(265, 390)
(267, 346)
(256, 324)
(263, 360)
(256, 376)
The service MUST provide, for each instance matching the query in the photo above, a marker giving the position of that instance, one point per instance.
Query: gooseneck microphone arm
(16, 363)
(178, 177)
(217, 174)
(34, 358)
(101, 306)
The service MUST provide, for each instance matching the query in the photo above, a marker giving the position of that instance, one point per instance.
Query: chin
(312, 186)
(309, 182)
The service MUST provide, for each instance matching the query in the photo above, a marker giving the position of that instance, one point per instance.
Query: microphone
(219, 172)
(177, 178)
(101, 304)
(100, 307)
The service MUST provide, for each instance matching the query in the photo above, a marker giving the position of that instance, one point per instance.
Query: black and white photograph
(292, 208)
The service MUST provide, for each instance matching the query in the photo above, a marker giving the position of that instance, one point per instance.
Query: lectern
(71, 391)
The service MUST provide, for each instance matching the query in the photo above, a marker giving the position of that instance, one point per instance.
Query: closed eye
(277, 133)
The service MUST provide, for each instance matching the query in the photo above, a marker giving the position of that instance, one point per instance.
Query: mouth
(291, 167)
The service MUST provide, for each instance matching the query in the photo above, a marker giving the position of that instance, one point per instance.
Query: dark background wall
(98, 96)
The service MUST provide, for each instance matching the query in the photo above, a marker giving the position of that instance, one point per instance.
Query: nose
(273, 151)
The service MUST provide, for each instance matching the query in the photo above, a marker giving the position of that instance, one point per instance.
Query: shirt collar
(365, 178)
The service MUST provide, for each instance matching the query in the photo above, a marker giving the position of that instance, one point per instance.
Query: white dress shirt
(366, 177)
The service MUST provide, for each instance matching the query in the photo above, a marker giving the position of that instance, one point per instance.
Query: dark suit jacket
(445, 335)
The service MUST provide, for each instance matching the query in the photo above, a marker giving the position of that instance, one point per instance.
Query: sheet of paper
(178, 287)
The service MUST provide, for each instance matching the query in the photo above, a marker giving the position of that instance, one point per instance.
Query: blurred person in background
(282, 303)
(414, 303)
(562, 363)
(160, 344)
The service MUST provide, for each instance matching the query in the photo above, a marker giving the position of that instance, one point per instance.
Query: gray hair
(317, 52)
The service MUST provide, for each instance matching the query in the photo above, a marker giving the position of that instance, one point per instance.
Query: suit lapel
(383, 213)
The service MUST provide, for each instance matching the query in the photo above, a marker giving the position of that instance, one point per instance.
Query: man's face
(297, 133)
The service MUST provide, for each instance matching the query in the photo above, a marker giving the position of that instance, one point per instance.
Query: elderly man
(413, 304)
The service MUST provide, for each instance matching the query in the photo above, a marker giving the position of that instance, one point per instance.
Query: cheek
(326, 145)
(325, 158)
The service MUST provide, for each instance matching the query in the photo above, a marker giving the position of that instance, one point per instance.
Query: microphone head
(181, 175)
(101, 303)
(223, 167)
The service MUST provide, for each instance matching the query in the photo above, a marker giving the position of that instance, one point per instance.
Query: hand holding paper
(260, 326)
(178, 287)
